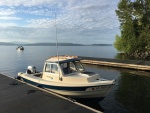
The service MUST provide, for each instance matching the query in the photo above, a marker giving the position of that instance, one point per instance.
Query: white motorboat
(20, 48)
(65, 75)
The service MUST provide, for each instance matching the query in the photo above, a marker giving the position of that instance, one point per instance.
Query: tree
(119, 43)
(134, 17)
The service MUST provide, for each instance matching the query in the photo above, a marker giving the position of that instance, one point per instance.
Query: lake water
(130, 94)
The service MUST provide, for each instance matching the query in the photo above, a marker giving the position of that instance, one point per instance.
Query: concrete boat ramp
(19, 97)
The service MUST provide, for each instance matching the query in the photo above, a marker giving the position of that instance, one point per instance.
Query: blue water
(130, 94)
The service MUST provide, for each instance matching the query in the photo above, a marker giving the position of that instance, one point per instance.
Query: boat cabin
(61, 66)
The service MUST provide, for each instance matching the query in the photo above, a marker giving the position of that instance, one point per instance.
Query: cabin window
(68, 67)
(72, 67)
(47, 68)
(79, 66)
(54, 68)
(64, 65)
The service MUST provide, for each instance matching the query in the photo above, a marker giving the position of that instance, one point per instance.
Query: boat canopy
(63, 59)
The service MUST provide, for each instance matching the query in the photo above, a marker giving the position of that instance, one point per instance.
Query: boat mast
(60, 78)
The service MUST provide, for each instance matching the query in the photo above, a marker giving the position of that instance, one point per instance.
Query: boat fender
(18, 78)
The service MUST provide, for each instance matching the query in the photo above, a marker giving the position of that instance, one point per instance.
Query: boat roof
(63, 59)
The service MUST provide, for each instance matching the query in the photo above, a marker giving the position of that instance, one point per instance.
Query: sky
(68, 21)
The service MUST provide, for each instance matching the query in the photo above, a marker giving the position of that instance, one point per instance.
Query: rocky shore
(141, 55)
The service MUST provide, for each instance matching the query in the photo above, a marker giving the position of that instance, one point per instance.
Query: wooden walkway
(130, 64)
(18, 97)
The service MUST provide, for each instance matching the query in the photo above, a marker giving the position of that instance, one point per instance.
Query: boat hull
(94, 91)
(83, 94)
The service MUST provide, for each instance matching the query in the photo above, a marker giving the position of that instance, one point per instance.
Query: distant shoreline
(51, 44)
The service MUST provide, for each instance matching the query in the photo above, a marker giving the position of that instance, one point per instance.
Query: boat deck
(18, 97)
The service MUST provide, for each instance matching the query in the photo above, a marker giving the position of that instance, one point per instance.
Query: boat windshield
(79, 65)
(71, 67)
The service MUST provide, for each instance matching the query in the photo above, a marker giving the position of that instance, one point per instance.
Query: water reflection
(134, 92)
(121, 56)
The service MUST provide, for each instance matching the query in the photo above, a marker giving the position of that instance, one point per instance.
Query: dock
(129, 64)
(19, 97)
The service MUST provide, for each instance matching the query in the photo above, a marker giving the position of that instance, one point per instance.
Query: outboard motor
(31, 70)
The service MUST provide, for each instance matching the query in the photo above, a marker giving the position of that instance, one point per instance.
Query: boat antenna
(57, 45)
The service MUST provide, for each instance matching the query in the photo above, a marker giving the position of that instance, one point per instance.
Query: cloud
(26, 2)
(80, 21)
(7, 25)
(6, 12)
(9, 18)
(25, 34)
(41, 23)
